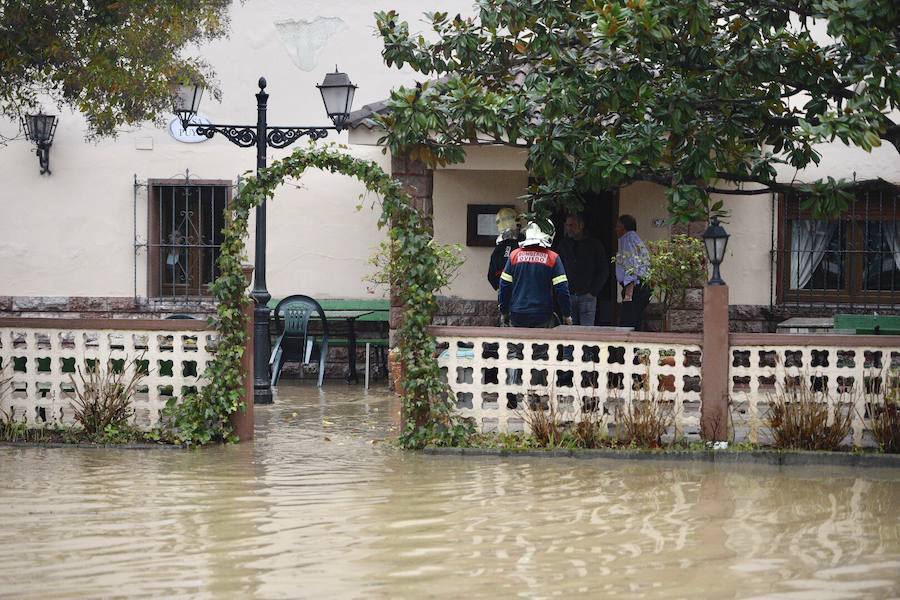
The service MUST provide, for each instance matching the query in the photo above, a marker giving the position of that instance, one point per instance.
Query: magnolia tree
(112, 61)
(695, 95)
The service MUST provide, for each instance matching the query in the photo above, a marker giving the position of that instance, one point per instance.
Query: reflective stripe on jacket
(528, 281)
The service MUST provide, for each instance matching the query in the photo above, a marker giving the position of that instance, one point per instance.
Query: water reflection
(320, 506)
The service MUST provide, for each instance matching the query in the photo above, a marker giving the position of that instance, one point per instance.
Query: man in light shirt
(632, 266)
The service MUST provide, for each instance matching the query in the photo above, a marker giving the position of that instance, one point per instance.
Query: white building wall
(71, 233)
(453, 191)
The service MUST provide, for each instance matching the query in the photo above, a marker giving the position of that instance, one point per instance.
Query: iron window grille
(850, 260)
(184, 237)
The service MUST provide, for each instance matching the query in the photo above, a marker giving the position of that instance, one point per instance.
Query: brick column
(418, 181)
(714, 382)
(242, 420)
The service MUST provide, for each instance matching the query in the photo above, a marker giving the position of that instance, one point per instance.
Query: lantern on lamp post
(715, 238)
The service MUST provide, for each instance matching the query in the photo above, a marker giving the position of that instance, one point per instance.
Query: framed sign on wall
(481, 223)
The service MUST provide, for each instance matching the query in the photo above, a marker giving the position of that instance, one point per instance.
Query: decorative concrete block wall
(835, 368)
(40, 358)
(495, 374)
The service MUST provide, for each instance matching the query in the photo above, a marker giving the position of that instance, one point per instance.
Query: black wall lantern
(39, 129)
(715, 238)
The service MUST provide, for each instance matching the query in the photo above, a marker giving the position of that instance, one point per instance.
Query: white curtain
(809, 242)
(892, 237)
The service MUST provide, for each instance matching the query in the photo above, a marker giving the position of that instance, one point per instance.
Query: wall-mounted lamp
(715, 238)
(39, 129)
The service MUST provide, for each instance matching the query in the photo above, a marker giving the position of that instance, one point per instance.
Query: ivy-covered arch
(204, 417)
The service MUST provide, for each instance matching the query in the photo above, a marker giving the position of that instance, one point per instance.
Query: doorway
(600, 212)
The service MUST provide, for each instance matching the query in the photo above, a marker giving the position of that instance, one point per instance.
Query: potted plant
(675, 266)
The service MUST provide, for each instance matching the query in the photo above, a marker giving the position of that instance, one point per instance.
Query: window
(185, 235)
(852, 259)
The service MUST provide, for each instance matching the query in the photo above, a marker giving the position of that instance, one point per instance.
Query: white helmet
(535, 235)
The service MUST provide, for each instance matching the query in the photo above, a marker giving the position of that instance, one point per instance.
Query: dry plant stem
(645, 420)
(546, 425)
(104, 397)
(587, 429)
(802, 418)
(885, 413)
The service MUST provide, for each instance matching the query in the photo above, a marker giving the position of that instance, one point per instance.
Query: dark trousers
(631, 314)
(530, 320)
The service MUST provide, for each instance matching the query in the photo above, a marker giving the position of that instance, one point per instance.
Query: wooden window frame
(852, 293)
(154, 285)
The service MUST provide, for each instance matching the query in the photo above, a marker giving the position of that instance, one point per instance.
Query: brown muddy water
(319, 507)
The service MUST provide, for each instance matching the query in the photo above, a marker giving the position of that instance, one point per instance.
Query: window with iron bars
(853, 259)
(185, 236)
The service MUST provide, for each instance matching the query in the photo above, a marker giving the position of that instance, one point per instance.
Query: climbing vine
(428, 414)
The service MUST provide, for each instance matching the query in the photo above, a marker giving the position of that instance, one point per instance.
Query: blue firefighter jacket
(528, 281)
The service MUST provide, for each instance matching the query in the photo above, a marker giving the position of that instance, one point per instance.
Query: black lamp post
(715, 238)
(337, 94)
(39, 129)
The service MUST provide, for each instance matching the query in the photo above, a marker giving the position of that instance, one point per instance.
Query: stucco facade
(82, 231)
(73, 233)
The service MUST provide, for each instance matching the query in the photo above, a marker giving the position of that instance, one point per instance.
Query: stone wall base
(101, 307)
(687, 317)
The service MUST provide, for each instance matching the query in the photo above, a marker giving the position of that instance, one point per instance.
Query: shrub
(644, 421)
(804, 419)
(675, 266)
(587, 431)
(544, 420)
(103, 398)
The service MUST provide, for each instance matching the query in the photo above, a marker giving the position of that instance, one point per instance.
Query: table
(350, 316)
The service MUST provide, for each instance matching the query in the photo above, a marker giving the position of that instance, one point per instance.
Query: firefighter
(532, 273)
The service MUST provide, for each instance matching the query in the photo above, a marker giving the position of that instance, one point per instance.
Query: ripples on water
(319, 507)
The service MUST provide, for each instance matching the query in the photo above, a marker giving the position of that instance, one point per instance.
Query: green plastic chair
(295, 342)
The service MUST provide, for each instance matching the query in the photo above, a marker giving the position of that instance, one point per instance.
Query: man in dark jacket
(587, 268)
(532, 274)
(507, 241)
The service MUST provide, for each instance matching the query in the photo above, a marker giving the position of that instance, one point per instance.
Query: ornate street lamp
(39, 129)
(715, 238)
(337, 94)
(186, 101)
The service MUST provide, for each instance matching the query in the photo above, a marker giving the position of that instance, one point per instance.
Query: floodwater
(319, 507)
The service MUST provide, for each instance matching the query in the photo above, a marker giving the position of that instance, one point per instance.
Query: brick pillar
(714, 382)
(688, 316)
(418, 181)
(242, 420)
